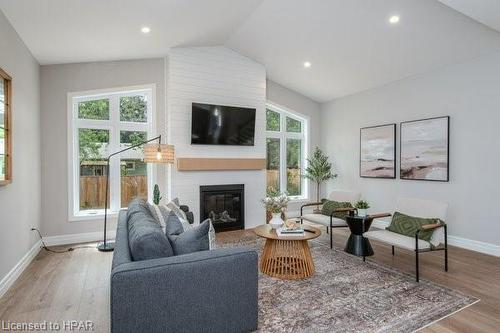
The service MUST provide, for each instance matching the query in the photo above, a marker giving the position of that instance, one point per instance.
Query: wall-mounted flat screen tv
(222, 125)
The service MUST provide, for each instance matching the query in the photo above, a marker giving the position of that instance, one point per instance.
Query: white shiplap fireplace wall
(215, 75)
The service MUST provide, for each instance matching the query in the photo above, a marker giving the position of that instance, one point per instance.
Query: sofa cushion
(408, 225)
(174, 225)
(194, 239)
(145, 236)
(330, 206)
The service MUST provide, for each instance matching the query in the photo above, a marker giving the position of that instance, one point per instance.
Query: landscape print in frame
(378, 152)
(425, 149)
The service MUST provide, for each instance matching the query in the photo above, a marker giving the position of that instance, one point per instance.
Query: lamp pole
(106, 246)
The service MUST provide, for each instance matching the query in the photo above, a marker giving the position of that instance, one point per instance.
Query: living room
(254, 165)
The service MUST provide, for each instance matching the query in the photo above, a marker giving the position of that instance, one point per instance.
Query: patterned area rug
(349, 295)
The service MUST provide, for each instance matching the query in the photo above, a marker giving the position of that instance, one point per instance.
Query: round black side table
(357, 244)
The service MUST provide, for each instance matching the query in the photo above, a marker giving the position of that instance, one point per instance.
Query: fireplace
(224, 204)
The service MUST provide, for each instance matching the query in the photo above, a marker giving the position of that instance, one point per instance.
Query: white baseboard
(469, 244)
(473, 245)
(77, 238)
(15, 272)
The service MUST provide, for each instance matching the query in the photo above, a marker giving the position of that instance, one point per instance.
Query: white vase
(276, 222)
(362, 212)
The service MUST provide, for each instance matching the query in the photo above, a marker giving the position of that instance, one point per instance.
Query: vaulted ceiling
(68, 31)
(350, 43)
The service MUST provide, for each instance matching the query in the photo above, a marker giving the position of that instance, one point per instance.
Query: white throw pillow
(174, 207)
(160, 214)
(211, 237)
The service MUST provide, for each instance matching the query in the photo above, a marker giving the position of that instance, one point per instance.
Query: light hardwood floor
(75, 285)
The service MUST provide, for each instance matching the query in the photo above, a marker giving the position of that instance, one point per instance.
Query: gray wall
(306, 106)
(56, 82)
(470, 94)
(20, 201)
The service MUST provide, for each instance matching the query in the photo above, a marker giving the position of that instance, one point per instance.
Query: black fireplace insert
(224, 204)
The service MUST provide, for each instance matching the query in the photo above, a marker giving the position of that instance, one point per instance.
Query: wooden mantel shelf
(220, 164)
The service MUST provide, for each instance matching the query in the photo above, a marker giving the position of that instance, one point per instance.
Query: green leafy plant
(318, 170)
(361, 204)
(156, 195)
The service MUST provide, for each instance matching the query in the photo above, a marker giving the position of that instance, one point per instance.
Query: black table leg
(359, 246)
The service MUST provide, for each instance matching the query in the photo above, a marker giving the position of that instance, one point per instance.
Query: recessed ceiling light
(146, 30)
(394, 19)
(307, 64)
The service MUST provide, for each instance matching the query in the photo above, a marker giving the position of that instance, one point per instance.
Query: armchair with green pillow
(333, 211)
(417, 225)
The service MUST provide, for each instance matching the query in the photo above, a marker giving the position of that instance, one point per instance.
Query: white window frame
(114, 125)
(283, 135)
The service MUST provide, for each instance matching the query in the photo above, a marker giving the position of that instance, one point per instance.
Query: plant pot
(362, 212)
(276, 222)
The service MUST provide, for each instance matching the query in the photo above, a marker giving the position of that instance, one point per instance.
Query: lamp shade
(158, 153)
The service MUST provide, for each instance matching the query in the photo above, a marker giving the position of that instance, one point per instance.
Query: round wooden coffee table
(287, 258)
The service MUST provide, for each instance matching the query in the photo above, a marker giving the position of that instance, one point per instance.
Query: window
(5, 129)
(104, 122)
(286, 144)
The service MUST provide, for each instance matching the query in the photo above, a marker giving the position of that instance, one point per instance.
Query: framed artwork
(5, 128)
(378, 152)
(425, 146)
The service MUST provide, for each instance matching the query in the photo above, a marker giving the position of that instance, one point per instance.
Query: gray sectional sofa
(206, 291)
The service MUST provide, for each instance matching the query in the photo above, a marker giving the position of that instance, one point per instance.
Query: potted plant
(275, 204)
(362, 206)
(318, 170)
(156, 195)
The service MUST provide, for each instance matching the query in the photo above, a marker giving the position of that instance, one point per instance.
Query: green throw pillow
(330, 206)
(408, 225)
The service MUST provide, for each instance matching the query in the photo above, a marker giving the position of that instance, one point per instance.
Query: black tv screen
(222, 125)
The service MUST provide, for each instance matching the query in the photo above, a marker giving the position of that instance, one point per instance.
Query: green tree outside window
(133, 108)
(91, 141)
(293, 125)
(94, 110)
(272, 120)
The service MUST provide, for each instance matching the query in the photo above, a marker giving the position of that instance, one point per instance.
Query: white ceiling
(352, 46)
(67, 31)
(350, 43)
(484, 11)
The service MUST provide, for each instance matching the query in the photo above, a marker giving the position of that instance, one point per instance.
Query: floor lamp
(153, 153)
